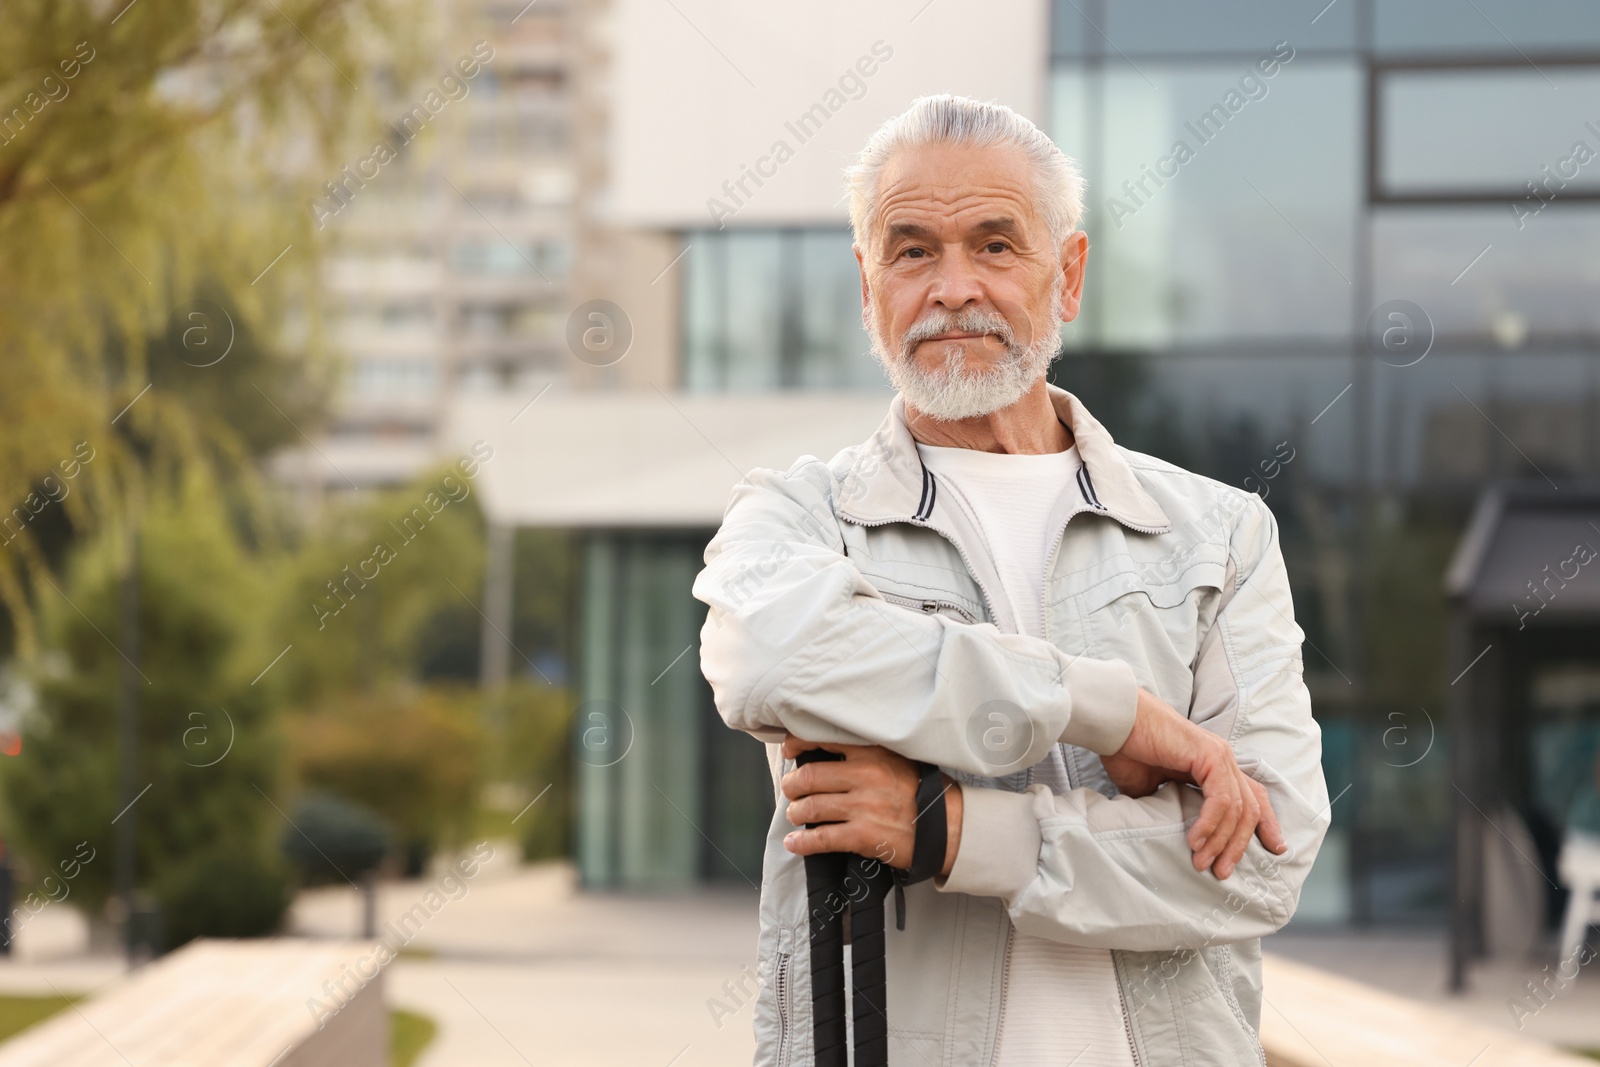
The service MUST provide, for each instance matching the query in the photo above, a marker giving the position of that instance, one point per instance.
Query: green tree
(208, 750)
(381, 586)
(152, 154)
(366, 591)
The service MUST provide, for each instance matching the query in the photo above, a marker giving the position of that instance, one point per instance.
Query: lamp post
(126, 842)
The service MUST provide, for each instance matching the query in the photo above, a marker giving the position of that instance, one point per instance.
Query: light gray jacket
(849, 602)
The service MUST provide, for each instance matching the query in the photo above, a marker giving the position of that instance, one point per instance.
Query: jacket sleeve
(1116, 872)
(798, 639)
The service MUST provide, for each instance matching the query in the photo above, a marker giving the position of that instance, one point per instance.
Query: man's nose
(956, 284)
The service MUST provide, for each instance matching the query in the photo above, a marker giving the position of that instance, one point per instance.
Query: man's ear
(861, 263)
(1074, 258)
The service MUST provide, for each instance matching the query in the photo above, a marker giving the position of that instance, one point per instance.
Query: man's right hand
(1166, 747)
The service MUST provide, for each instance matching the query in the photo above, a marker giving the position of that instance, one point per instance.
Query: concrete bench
(253, 1003)
(1312, 1018)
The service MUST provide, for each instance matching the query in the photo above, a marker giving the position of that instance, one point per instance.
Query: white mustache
(971, 320)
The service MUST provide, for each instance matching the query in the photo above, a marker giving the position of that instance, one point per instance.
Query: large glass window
(1488, 274)
(1466, 415)
(1183, 27)
(767, 309)
(1513, 132)
(1499, 26)
(1223, 203)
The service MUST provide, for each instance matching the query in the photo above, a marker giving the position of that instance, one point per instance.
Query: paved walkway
(1414, 964)
(522, 969)
(518, 968)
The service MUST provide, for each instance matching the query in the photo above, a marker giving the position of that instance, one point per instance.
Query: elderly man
(992, 587)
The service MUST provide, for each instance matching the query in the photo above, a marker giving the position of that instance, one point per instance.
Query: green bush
(333, 840)
(229, 891)
(408, 754)
(537, 754)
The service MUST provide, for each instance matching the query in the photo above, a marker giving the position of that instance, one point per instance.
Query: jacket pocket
(1180, 1013)
(1163, 583)
(1155, 616)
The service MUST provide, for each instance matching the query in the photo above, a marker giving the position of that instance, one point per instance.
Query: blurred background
(375, 372)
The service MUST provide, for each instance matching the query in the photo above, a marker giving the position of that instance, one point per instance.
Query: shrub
(537, 754)
(228, 891)
(333, 840)
(408, 754)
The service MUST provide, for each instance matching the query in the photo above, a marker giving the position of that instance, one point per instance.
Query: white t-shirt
(1061, 1003)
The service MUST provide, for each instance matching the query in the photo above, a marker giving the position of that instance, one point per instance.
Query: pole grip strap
(929, 841)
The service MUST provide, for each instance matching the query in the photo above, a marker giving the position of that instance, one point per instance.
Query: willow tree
(158, 160)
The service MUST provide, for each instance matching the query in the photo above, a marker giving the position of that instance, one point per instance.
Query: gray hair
(959, 120)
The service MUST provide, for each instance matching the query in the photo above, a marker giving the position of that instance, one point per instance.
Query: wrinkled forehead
(951, 192)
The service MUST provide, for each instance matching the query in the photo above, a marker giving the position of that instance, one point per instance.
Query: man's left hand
(1166, 747)
(868, 800)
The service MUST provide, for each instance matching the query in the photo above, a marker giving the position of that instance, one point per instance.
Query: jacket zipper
(1050, 568)
(1005, 980)
(1005, 965)
(781, 987)
(988, 601)
(1116, 976)
(1127, 1020)
(928, 607)
(1122, 994)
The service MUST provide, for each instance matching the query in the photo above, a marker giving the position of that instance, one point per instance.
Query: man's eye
(914, 253)
(995, 246)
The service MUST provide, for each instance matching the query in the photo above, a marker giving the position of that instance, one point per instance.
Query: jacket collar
(887, 482)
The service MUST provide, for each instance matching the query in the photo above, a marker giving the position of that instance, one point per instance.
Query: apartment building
(452, 253)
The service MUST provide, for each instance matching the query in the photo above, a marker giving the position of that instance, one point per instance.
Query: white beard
(956, 391)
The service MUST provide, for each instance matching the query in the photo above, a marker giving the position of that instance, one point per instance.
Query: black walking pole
(836, 881)
(870, 880)
(825, 897)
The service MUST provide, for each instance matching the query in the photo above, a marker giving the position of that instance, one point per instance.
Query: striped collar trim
(930, 493)
(1086, 487)
(887, 481)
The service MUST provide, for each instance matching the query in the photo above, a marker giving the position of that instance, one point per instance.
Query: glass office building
(1342, 255)
(1360, 232)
